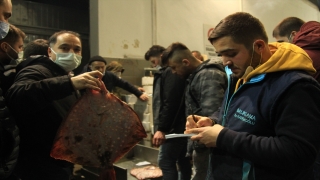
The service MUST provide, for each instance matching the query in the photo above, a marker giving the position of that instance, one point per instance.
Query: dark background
(39, 19)
(80, 4)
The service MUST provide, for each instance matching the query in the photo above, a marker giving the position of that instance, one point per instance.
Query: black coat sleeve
(297, 129)
(35, 87)
(171, 96)
(124, 85)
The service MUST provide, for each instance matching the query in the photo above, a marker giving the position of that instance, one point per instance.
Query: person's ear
(49, 52)
(293, 34)
(90, 67)
(4, 46)
(185, 62)
(259, 45)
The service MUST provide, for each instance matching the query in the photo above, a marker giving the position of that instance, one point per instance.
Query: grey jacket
(206, 87)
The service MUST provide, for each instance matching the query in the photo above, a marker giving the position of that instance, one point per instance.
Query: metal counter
(122, 167)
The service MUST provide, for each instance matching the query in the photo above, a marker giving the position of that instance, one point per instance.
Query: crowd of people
(257, 117)
(253, 110)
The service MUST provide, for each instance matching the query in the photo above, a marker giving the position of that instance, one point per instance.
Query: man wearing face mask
(269, 125)
(40, 98)
(303, 34)
(307, 36)
(154, 56)
(10, 50)
(9, 133)
(168, 117)
(287, 29)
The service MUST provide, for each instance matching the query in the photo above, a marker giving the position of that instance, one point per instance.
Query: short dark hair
(174, 48)
(53, 38)
(97, 58)
(286, 26)
(13, 35)
(36, 47)
(242, 27)
(154, 51)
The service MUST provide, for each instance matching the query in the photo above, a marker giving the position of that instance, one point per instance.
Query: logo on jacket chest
(245, 116)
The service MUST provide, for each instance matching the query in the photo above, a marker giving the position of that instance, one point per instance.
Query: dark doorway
(39, 19)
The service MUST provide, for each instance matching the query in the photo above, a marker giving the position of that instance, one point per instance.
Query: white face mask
(4, 29)
(68, 61)
(20, 56)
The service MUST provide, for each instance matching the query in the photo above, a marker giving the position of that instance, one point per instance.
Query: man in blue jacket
(269, 125)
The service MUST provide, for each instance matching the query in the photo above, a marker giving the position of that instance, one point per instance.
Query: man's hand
(141, 89)
(206, 135)
(158, 138)
(87, 80)
(198, 121)
(144, 97)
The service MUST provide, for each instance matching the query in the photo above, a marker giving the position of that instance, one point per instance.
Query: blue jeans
(171, 153)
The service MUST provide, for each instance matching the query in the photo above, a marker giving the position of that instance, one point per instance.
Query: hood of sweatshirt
(308, 38)
(285, 56)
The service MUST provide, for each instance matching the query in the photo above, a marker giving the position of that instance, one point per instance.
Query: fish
(98, 131)
(146, 172)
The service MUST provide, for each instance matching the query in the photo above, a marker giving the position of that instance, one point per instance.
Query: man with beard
(269, 125)
(168, 117)
(206, 83)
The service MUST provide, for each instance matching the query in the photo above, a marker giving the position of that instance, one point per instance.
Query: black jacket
(111, 81)
(40, 99)
(9, 133)
(168, 102)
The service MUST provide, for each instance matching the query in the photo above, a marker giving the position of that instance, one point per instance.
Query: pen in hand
(192, 114)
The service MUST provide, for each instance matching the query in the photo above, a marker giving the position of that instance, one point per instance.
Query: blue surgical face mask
(20, 56)
(4, 29)
(68, 61)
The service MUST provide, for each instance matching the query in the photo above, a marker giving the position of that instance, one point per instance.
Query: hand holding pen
(205, 132)
(195, 121)
(191, 120)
